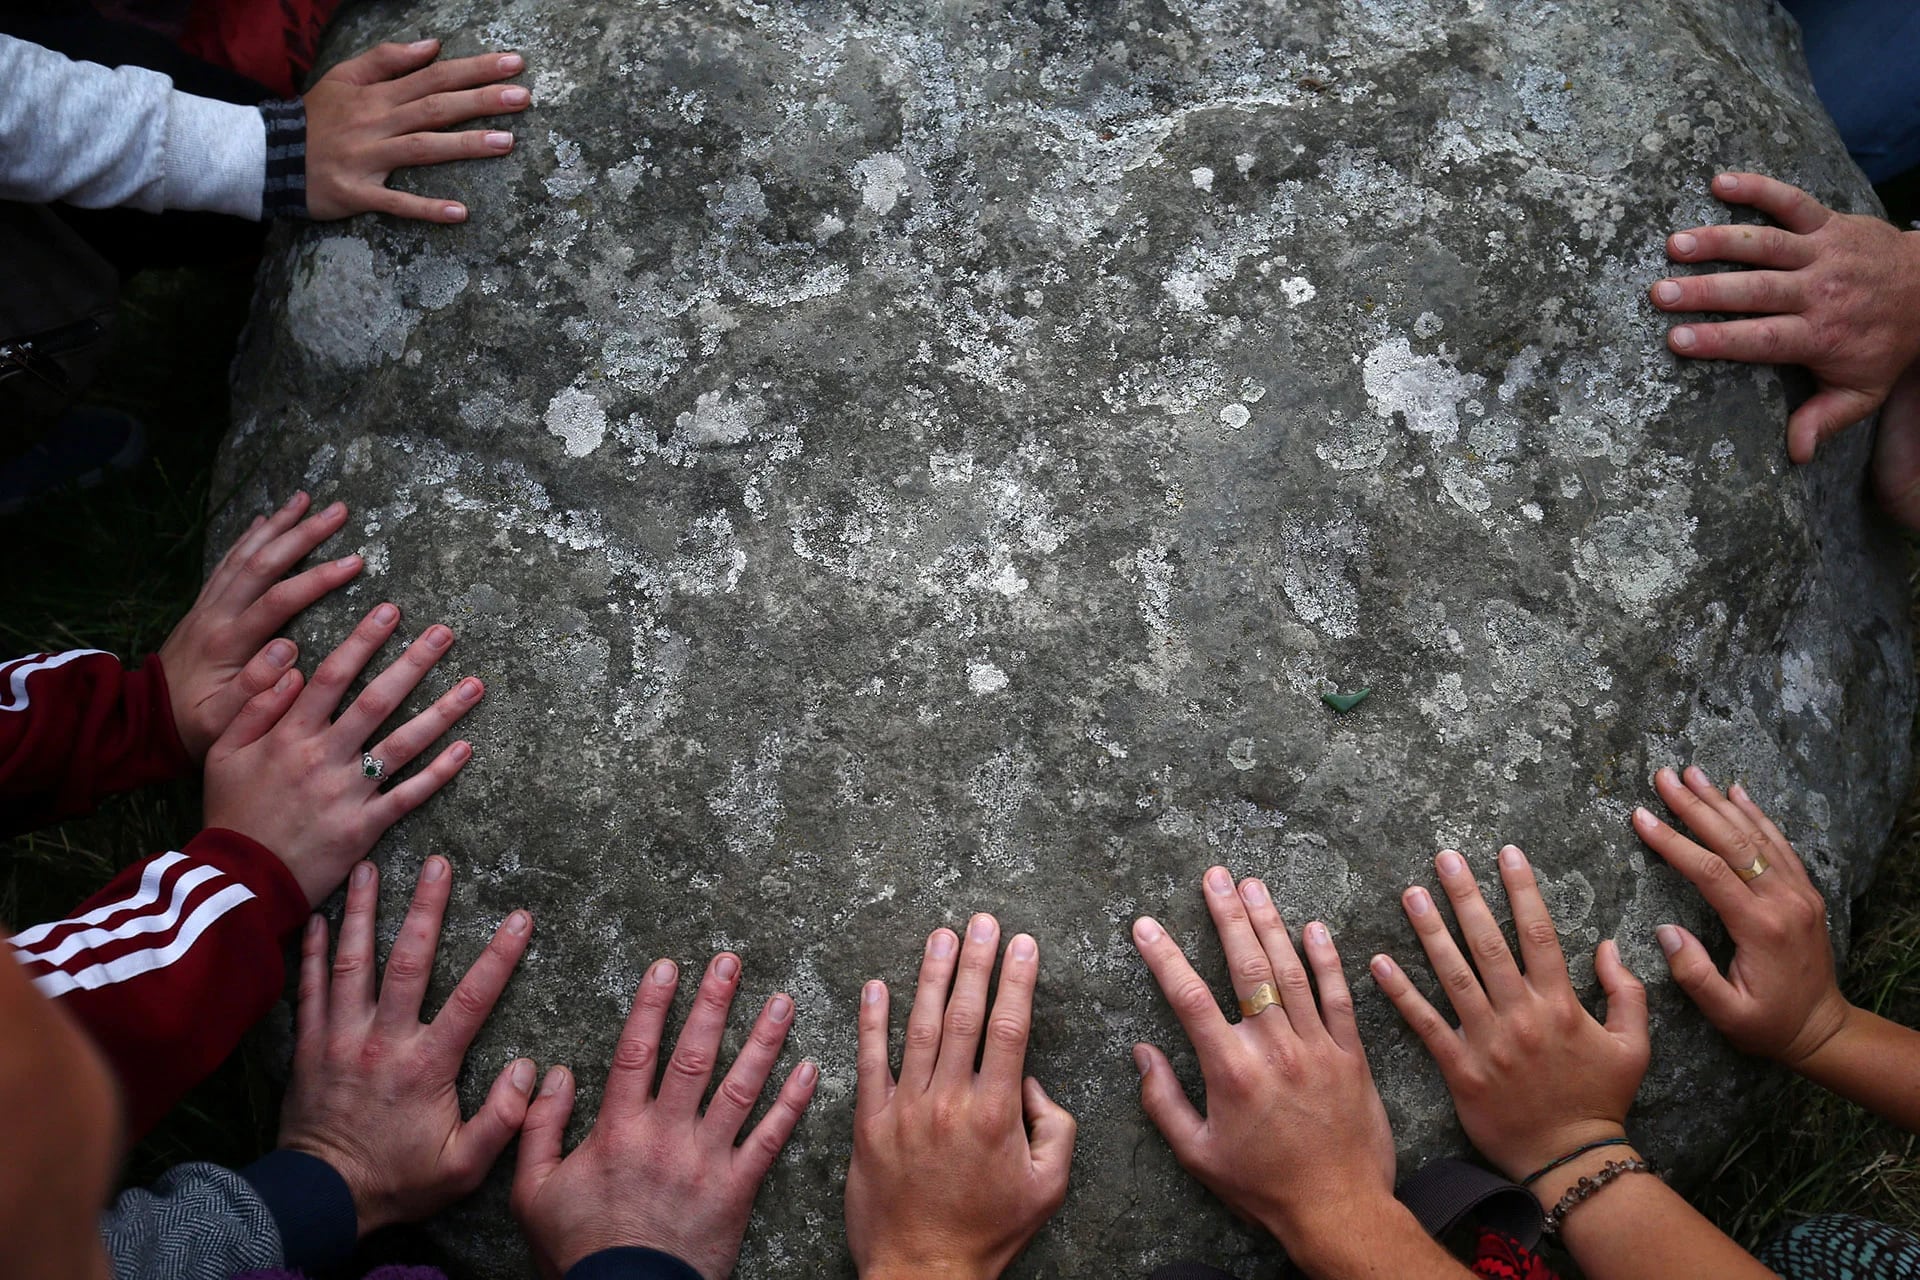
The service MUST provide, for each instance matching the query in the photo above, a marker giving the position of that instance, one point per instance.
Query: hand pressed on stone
(373, 1087)
(656, 1172)
(1295, 1136)
(1003, 1147)
(383, 111)
(1779, 997)
(214, 660)
(1533, 1075)
(291, 778)
(1837, 293)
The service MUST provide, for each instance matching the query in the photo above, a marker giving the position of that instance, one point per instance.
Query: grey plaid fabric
(199, 1222)
(285, 192)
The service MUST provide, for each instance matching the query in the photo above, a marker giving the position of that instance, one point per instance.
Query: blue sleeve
(310, 1205)
(630, 1263)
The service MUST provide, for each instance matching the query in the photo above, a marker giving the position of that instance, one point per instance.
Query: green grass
(116, 567)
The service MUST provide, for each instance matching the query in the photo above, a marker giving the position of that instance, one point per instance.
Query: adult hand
(1003, 1147)
(214, 660)
(373, 1087)
(1837, 294)
(1294, 1137)
(382, 111)
(655, 1172)
(1779, 997)
(1533, 1075)
(290, 777)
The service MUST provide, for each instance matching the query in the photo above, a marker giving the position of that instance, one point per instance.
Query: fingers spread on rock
(873, 1072)
(1457, 978)
(541, 1135)
(1786, 204)
(410, 963)
(967, 1006)
(929, 1010)
(352, 981)
(480, 988)
(1004, 1056)
(1192, 1000)
(386, 691)
(697, 1049)
(458, 73)
(1166, 1102)
(1499, 975)
(740, 1088)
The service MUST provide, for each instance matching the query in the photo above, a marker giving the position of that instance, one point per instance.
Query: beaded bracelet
(1578, 1193)
(1572, 1155)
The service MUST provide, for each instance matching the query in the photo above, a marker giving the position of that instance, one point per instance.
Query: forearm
(1636, 1226)
(1871, 1062)
(1374, 1241)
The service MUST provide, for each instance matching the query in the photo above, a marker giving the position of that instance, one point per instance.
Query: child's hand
(369, 116)
(1779, 998)
(213, 659)
(373, 1087)
(1533, 1075)
(289, 776)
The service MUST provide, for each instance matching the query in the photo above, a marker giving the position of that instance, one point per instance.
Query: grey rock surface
(893, 459)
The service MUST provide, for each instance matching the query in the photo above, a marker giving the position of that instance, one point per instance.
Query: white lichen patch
(718, 419)
(1424, 392)
(881, 181)
(983, 677)
(433, 281)
(571, 175)
(1297, 289)
(1316, 563)
(1642, 557)
(578, 419)
(344, 309)
(1202, 178)
(1234, 416)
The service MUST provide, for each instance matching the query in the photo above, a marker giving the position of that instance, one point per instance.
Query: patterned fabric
(1501, 1257)
(199, 1222)
(285, 192)
(1839, 1246)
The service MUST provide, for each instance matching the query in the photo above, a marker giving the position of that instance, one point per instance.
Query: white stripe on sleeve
(133, 927)
(14, 696)
(145, 896)
(121, 968)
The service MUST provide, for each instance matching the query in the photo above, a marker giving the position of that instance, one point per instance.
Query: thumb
(1696, 974)
(483, 1138)
(540, 1135)
(385, 62)
(1826, 414)
(1165, 1102)
(261, 673)
(262, 712)
(1626, 994)
(1051, 1129)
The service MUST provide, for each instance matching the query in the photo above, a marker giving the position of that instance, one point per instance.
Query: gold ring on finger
(1264, 997)
(1753, 870)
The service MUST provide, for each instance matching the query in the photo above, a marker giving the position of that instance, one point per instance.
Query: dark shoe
(78, 452)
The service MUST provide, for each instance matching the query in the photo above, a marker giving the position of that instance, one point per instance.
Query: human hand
(1295, 1136)
(373, 1087)
(1838, 296)
(369, 116)
(655, 1172)
(213, 659)
(1003, 1146)
(286, 775)
(1533, 1075)
(1779, 998)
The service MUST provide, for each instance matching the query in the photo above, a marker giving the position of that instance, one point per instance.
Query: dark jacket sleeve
(631, 1264)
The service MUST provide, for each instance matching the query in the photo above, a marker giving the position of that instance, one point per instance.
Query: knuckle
(416, 148)
(468, 1003)
(633, 1055)
(1006, 1033)
(1294, 980)
(1540, 933)
(737, 1095)
(1191, 997)
(691, 1062)
(405, 967)
(1338, 1002)
(1489, 947)
(1459, 979)
(923, 1035)
(963, 1022)
(1714, 871)
(1252, 970)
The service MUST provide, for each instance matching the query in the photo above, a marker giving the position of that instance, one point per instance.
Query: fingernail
(872, 992)
(1418, 903)
(1253, 893)
(284, 683)
(1382, 968)
(1142, 1060)
(1219, 881)
(516, 97)
(1642, 818)
(556, 1080)
(499, 141)
(510, 63)
(1667, 291)
(1727, 182)
(1450, 863)
(1670, 939)
(1317, 933)
(805, 1074)
(1512, 859)
(334, 509)
(1704, 776)
(663, 973)
(522, 1077)
(517, 923)
(434, 869)
(438, 637)
(316, 925)
(940, 944)
(1685, 244)
(1146, 930)
(1683, 337)
(385, 615)
(725, 967)
(1739, 792)
(981, 929)
(348, 562)
(779, 1008)
(470, 689)
(421, 46)
(363, 874)
(1024, 948)
(454, 212)
(462, 752)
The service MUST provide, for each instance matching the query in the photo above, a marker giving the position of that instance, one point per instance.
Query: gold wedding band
(1753, 870)
(1263, 997)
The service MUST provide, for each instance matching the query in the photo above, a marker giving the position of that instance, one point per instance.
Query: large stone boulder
(894, 459)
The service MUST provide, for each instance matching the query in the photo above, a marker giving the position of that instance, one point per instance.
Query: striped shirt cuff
(285, 192)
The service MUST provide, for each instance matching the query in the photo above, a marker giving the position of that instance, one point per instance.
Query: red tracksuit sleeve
(171, 963)
(77, 726)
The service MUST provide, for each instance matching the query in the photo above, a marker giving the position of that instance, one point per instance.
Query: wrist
(1331, 1237)
(1558, 1142)
(1826, 1030)
(932, 1260)
(367, 1213)
(1550, 1187)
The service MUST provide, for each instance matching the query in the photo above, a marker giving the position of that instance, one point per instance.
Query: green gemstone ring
(372, 768)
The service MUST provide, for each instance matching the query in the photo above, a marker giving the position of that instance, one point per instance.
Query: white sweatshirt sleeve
(97, 137)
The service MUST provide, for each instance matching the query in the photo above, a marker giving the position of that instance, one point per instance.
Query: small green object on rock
(1344, 702)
